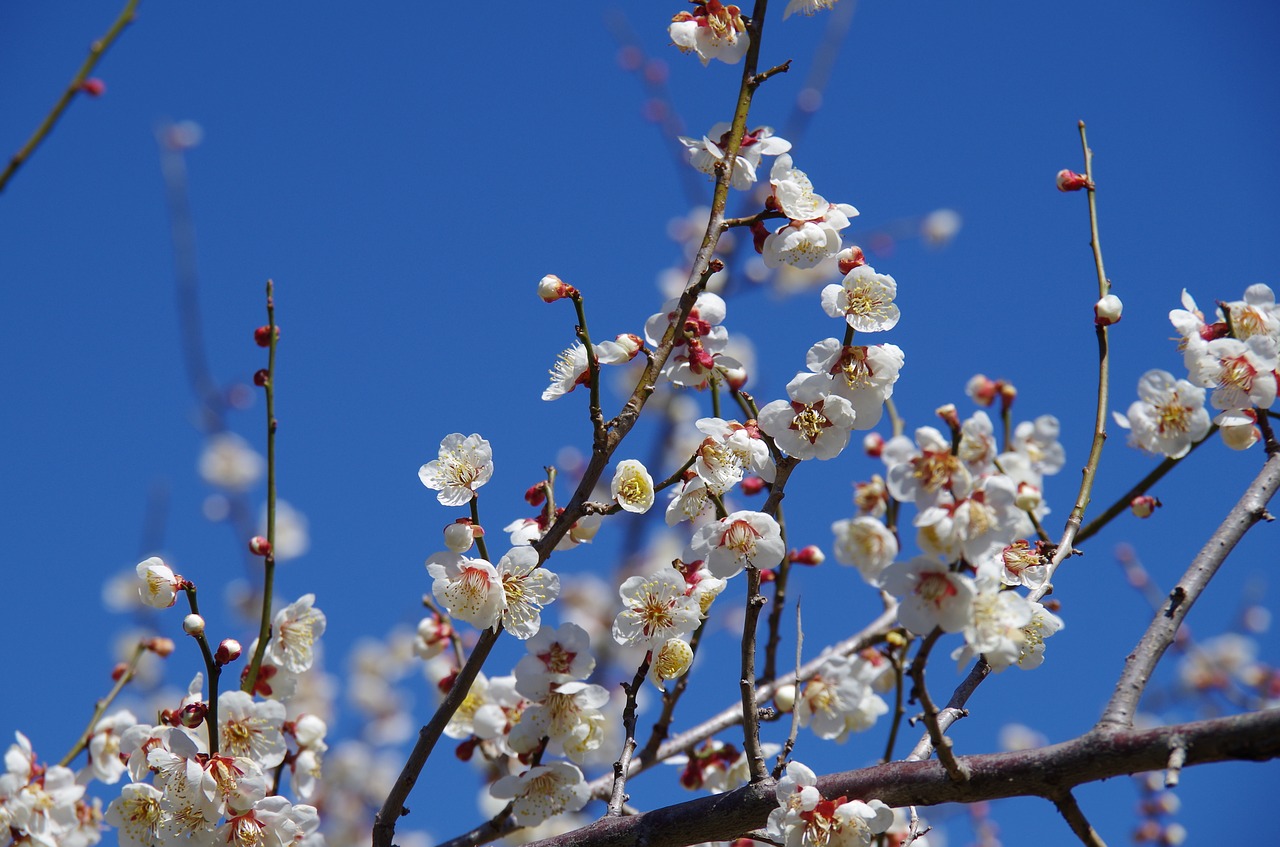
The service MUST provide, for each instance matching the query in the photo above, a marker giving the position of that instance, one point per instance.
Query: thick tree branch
(1251, 508)
(1043, 772)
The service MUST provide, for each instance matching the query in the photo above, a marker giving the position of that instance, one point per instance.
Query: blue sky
(406, 176)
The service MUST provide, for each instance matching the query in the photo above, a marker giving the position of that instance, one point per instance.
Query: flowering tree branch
(100, 708)
(77, 85)
(1251, 508)
(1043, 772)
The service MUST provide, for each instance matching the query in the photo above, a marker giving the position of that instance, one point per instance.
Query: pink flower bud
(93, 86)
(552, 288)
(228, 651)
(1007, 394)
(1143, 505)
(193, 625)
(259, 546)
(752, 485)
(982, 389)
(736, 377)
(1107, 310)
(873, 444)
(811, 555)
(1072, 181)
(193, 715)
(758, 234)
(850, 258)
(160, 646)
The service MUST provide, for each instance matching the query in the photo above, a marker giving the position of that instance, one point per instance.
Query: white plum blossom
(294, 632)
(671, 661)
(814, 424)
(867, 544)
(1238, 428)
(689, 501)
(105, 763)
(526, 589)
(1038, 441)
(656, 609)
(136, 815)
(713, 30)
(1043, 624)
(863, 375)
(1019, 564)
(1241, 373)
(995, 629)
(700, 341)
(1256, 314)
(470, 589)
(805, 819)
(812, 232)
(728, 452)
(569, 715)
(1168, 417)
(864, 299)
(464, 464)
(554, 656)
(923, 474)
(160, 585)
(839, 699)
(931, 594)
(806, 7)
(632, 486)
(978, 444)
(541, 792)
(571, 367)
(229, 462)
(251, 728)
(743, 539)
(706, 152)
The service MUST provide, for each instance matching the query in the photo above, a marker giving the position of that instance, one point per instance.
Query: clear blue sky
(407, 175)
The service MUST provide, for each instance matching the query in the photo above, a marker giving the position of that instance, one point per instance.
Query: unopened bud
(1072, 181)
(810, 555)
(93, 86)
(193, 714)
(736, 377)
(784, 699)
(1007, 394)
(630, 342)
(1107, 310)
(1237, 428)
(767, 576)
(162, 647)
(672, 661)
(1143, 505)
(261, 377)
(949, 416)
(259, 546)
(873, 444)
(118, 671)
(228, 651)
(193, 625)
(552, 288)
(758, 234)
(850, 258)
(466, 749)
(262, 336)
(1029, 497)
(982, 389)
(536, 494)
(459, 535)
(752, 485)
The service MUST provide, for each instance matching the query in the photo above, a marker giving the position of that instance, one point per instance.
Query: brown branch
(920, 692)
(747, 683)
(1043, 772)
(1072, 814)
(622, 767)
(662, 726)
(1251, 508)
(96, 51)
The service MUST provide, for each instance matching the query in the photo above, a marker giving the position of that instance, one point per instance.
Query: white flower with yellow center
(743, 539)
(1168, 416)
(1241, 373)
(464, 465)
(160, 585)
(541, 792)
(656, 609)
(867, 544)
(864, 299)
(632, 486)
(931, 594)
(526, 588)
(471, 589)
(672, 661)
(814, 424)
(293, 634)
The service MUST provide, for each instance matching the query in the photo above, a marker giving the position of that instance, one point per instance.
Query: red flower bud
(259, 546)
(193, 715)
(262, 336)
(752, 485)
(93, 86)
(850, 258)
(1072, 181)
(261, 377)
(228, 651)
(536, 494)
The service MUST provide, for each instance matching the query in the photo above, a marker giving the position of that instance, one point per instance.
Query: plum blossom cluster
(804, 818)
(712, 149)
(1236, 357)
(811, 234)
(700, 342)
(713, 30)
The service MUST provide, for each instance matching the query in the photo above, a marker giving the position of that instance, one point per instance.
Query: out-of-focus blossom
(230, 463)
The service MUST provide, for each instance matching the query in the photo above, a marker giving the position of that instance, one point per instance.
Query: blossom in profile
(464, 464)
(541, 792)
(293, 634)
(1168, 416)
(671, 661)
(160, 585)
(864, 299)
(812, 232)
(706, 152)
(571, 367)
(713, 30)
(632, 486)
(471, 589)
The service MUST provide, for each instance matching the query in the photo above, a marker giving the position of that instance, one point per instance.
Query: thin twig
(212, 667)
(747, 682)
(269, 560)
(941, 744)
(662, 726)
(100, 708)
(622, 767)
(795, 713)
(96, 51)
(1071, 813)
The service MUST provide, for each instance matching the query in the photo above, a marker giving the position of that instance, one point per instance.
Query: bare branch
(1071, 813)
